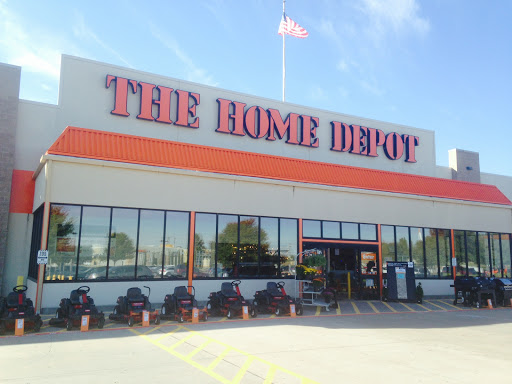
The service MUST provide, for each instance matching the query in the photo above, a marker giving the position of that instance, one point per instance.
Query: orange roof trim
(101, 145)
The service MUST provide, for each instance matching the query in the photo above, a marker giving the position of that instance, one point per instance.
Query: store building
(139, 179)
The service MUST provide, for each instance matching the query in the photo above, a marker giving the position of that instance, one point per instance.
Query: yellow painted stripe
(389, 306)
(355, 307)
(450, 305)
(373, 307)
(409, 308)
(178, 343)
(270, 375)
(224, 319)
(198, 349)
(338, 310)
(422, 306)
(241, 372)
(318, 310)
(435, 305)
(219, 358)
(150, 330)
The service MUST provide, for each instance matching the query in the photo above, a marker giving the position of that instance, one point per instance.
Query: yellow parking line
(453, 306)
(318, 310)
(435, 305)
(224, 319)
(270, 375)
(150, 330)
(178, 343)
(355, 307)
(168, 333)
(338, 310)
(406, 306)
(389, 306)
(243, 369)
(219, 358)
(373, 307)
(422, 306)
(198, 349)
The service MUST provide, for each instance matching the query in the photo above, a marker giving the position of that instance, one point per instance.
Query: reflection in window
(331, 230)
(204, 245)
(460, 253)
(349, 231)
(368, 232)
(311, 228)
(150, 249)
(176, 244)
(431, 252)
(402, 243)
(63, 242)
(269, 243)
(483, 251)
(505, 253)
(388, 244)
(248, 265)
(445, 253)
(288, 240)
(227, 245)
(471, 251)
(123, 240)
(495, 255)
(417, 252)
(92, 258)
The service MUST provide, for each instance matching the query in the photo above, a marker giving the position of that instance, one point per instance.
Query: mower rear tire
(299, 311)
(131, 321)
(229, 315)
(69, 325)
(180, 318)
(157, 320)
(101, 322)
(277, 311)
(252, 312)
(37, 325)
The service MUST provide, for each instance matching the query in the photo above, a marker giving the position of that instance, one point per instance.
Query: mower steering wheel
(20, 288)
(84, 288)
(235, 283)
(280, 284)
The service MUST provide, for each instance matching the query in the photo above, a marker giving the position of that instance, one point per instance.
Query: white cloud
(342, 66)
(399, 16)
(318, 93)
(372, 88)
(193, 73)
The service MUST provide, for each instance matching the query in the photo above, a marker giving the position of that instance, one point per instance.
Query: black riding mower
(17, 306)
(130, 308)
(275, 300)
(179, 306)
(229, 301)
(70, 311)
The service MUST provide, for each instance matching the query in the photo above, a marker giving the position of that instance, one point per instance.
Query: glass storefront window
(402, 244)
(288, 231)
(269, 245)
(368, 232)
(205, 244)
(460, 253)
(227, 245)
(63, 235)
(123, 240)
(445, 253)
(248, 251)
(432, 268)
(311, 228)
(176, 245)
(495, 255)
(350, 231)
(331, 230)
(94, 236)
(417, 252)
(151, 241)
(471, 245)
(505, 254)
(388, 244)
(483, 252)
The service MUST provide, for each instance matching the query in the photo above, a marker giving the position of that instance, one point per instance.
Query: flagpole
(284, 60)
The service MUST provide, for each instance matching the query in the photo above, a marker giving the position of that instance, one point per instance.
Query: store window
(445, 253)
(388, 244)
(150, 246)
(432, 266)
(123, 243)
(331, 229)
(269, 246)
(417, 237)
(288, 241)
(460, 253)
(505, 253)
(472, 254)
(248, 251)
(227, 245)
(311, 228)
(176, 247)
(63, 233)
(350, 231)
(402, 244)
(483, 252)
(368, 232)
(94, 239)
(205, 244)
(495, 255)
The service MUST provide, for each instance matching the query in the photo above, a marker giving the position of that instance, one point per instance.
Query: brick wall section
(9, 97)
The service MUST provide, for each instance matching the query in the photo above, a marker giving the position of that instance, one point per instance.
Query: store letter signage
(186, 105)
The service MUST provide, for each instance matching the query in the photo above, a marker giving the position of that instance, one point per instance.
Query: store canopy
(109, 146)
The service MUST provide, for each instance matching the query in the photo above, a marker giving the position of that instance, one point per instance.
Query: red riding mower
(275, 300)
(129, 308)
(229, 301)
(70, 311)
(16, 306)
(179, 306)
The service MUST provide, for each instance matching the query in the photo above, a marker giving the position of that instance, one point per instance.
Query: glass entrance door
(369, 288)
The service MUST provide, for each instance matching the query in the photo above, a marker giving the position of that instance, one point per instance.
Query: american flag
(290, 27)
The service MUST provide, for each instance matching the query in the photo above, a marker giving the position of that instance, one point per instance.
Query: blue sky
(442, 65)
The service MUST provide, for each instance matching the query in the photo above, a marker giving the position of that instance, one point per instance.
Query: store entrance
(353, 269)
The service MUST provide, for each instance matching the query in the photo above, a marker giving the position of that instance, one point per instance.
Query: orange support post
(191, 250)
(379, 259)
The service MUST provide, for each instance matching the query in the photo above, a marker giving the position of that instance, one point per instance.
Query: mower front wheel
(131, 321)
(157, 320)
(101, 322)
(252, 312)
(205, 316)
(180, 318)
(299, 310)
(277, 311)
(37, 325)
(229, 315)
(69, 325)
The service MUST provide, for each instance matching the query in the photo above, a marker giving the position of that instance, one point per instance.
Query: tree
(121, 247)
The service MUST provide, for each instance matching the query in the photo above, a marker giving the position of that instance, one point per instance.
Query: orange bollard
(489, 303)
(19, 328)
(84, 326)
(245, 312)
(195, 315)
(292, 310)
(145, 318)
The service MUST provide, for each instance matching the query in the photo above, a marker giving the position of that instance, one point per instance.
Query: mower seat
(15, 299)
(135, 295)
(181, 293)
(77, 297)
(227, 290)
(273, 290)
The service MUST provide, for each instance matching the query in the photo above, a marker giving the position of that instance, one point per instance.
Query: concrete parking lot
(356, 344)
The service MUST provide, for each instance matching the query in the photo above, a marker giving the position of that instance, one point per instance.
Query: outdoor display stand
(401, 281)
(306, 289)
